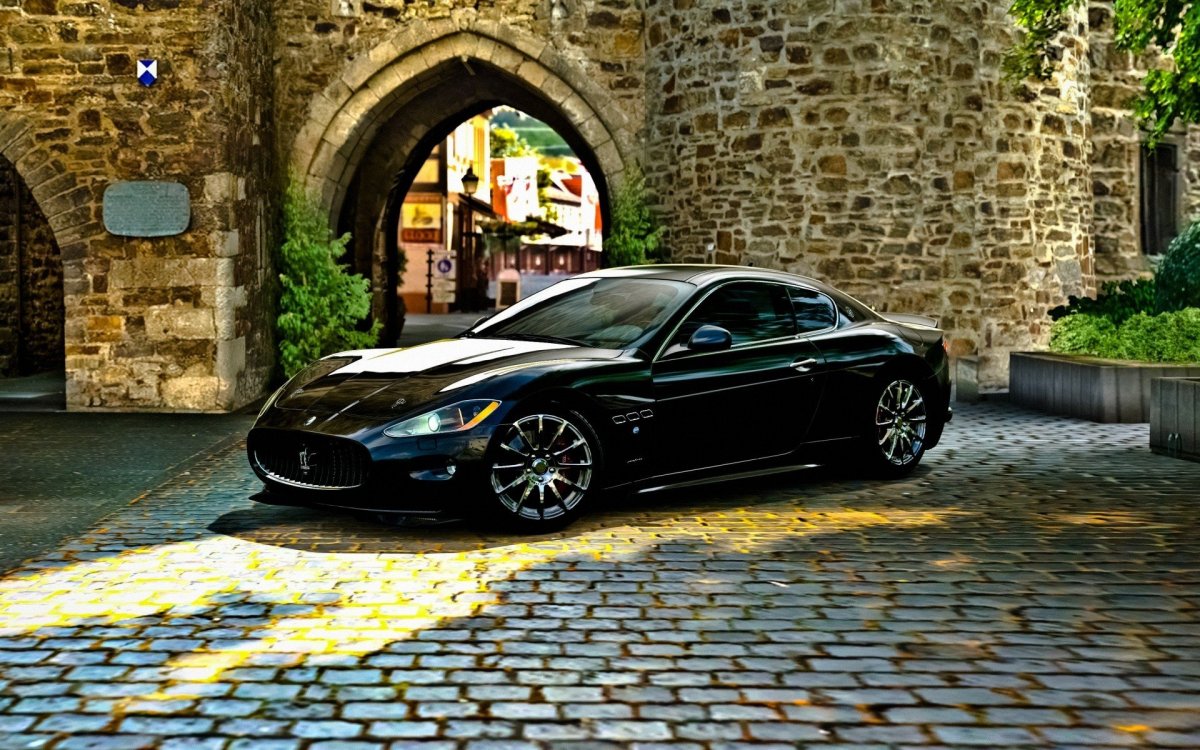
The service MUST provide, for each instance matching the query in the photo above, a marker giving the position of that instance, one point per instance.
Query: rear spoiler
(911, 320)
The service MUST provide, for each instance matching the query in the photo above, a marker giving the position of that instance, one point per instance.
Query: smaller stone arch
(50, 240)
(65, 198)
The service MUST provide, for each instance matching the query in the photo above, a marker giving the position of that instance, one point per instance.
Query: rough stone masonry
(870, 143)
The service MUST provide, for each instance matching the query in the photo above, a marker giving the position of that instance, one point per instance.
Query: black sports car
(630, 377)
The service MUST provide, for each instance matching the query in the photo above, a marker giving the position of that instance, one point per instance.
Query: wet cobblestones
(1035, 585)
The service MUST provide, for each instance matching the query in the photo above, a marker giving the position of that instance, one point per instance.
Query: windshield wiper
(540, 338)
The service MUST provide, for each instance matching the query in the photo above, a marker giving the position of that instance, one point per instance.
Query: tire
(543, 469)
(900, 426)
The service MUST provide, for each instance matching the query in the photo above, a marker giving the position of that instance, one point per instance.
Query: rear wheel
(543, 469)
(896, 439)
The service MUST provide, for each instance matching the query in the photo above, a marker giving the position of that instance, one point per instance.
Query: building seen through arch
(485, 200)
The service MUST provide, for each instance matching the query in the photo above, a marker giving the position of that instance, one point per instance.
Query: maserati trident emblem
(306, 457)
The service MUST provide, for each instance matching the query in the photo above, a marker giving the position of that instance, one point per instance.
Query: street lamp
(470, 181)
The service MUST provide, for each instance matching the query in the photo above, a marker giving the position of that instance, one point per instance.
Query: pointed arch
(344, 120)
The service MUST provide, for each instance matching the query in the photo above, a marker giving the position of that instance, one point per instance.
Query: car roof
(701, 275)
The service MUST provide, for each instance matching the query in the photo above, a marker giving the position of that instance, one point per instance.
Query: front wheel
(543, 468)
(897, 437)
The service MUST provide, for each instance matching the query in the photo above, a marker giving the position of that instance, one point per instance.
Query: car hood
(390, 383)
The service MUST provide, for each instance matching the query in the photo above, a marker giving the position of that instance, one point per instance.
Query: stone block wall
(31, 298)
(1116, 82)
(871, 143)
(1115, 162)
(163, 323)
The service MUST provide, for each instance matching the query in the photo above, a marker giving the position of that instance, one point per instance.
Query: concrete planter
(1175, 417)
(1102, 390)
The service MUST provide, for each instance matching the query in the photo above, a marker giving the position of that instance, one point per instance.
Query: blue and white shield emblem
(147, 72)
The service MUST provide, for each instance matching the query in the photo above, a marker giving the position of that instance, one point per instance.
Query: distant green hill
(538, 134)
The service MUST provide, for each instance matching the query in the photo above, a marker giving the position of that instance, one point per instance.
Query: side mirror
(710, 339)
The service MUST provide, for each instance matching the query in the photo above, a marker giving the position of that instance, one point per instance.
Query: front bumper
(418, 475)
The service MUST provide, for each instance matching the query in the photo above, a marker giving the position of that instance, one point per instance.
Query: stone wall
(870, 143)
(31, 297)
(873, 145)
(1116, 82)
(150, 323)
(1035, 195)
(1115, 165)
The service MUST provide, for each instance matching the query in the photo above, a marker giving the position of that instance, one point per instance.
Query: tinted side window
(814, 311)
(851, 313)
(750, 312)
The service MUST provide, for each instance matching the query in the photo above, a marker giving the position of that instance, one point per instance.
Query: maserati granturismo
(628, 378)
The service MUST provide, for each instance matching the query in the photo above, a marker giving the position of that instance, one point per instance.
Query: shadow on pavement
(328, 530)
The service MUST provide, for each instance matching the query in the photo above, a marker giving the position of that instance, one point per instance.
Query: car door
(853, 351)
(753, 400)
(816, 320)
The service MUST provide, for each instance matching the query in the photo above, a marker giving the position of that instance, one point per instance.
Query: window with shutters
(1160, 197)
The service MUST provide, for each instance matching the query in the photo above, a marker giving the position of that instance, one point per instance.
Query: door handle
(804, 365)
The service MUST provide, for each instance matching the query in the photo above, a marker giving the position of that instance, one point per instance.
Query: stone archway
(46, 221)
(450, 93)
(368, 132)
(63, 196)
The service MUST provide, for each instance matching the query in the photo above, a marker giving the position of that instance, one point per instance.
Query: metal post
(429, 281)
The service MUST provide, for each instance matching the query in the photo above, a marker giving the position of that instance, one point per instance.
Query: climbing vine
(1170, 28)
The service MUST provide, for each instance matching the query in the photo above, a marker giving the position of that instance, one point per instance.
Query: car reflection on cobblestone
(1034, 585)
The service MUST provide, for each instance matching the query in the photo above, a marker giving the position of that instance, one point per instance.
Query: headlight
(311, 374)
(455, 418)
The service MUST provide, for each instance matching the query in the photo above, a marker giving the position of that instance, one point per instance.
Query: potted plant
(1106, 351)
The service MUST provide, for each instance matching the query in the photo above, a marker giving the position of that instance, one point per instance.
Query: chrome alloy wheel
(900, 420)
(543, 469)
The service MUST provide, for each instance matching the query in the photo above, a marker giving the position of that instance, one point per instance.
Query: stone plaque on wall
(147, 209)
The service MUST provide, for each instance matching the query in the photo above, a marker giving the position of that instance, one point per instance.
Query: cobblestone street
(1034, 585)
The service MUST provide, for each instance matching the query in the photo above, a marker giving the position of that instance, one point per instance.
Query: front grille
(309, 460)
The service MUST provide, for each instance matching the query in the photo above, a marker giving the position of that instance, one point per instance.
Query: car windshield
(608, 313)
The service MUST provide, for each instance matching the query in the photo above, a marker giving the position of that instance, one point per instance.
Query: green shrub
(1117, 301)
(1083, 334)
(635, 235)
(321, 304)
(1167, 337)
(1177, 280)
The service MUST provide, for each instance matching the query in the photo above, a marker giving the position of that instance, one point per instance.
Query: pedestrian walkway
(62, 472)
(1034, 585)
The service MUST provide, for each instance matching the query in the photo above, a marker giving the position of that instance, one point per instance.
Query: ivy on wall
(1170, 93)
